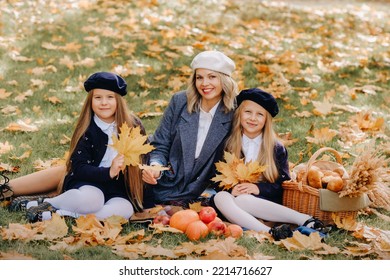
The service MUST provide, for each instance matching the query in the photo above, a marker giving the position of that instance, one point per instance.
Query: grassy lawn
(328, 66)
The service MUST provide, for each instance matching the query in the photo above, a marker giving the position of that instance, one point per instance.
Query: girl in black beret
(94, 183)
(253, 138)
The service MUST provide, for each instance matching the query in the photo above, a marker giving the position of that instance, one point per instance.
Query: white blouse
(109, 129)
(251, 147)
(205, 119)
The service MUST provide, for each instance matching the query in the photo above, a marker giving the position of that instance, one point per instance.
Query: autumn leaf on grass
(322, 108)
(131, 144)
(53, 228)
(234, 171)
(322, 135)
(348, 223)
(367, 122)
(21, 125)
(313, 242)
(5, 147)
(13, 255)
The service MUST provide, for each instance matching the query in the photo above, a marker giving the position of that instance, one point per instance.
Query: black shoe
(34, 214)
(317, 225)
(6, 192)
(281, 232)
(20, 203)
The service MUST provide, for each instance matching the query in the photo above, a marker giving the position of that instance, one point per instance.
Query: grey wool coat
(175, 144)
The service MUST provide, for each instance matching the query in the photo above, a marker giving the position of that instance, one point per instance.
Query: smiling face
(252, 118)
(104, 104)
(209, 87)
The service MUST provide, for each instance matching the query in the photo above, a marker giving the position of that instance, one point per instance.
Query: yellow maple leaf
(322, 135)
(196, 206)
(131, 144)
(235, 170)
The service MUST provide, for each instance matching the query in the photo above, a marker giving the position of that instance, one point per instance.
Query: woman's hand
(245, 188)
(150, 176)
(117, 165)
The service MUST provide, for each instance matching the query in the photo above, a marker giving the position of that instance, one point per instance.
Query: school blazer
(175, 144)
(85, 160)
(274, 191)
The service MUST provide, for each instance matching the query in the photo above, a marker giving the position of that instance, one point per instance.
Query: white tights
(90, 200)
(245, 209)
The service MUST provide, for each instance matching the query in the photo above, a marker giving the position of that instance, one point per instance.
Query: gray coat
(175, 144)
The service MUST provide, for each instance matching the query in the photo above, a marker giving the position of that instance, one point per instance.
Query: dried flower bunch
(367, 171)
(234, 171)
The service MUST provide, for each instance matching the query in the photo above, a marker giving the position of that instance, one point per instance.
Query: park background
(326, 62)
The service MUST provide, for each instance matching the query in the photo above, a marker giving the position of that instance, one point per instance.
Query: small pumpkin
(234, 230)
(196, 230)
(181, 219)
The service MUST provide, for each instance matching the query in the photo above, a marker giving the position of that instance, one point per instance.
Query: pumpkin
(181, 219)
(197, 230)
(234, 230)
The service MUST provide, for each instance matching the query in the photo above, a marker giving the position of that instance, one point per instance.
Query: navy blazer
(274, 191)
(270, 191)
(85, 168)
(175, 143)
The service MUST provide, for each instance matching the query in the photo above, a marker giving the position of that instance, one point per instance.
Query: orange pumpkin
(234, 230)
(181, 219)
(197, 230)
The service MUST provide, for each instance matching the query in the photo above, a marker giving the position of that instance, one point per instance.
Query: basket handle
(320, 151)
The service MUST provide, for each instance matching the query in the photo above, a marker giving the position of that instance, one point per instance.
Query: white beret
(215, 61)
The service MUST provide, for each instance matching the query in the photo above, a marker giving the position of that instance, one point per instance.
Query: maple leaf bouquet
(132, 144)
(234, 171)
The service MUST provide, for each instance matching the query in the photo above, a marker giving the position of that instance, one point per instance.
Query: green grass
(143, 38)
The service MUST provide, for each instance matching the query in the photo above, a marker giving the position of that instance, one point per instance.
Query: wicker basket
(306, 199)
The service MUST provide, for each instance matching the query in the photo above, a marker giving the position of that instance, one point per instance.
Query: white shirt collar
(251, 147)
(212, 110)
(246, 139)
(107, 128)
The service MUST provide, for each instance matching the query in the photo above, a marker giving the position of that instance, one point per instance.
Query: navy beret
(108, 81)
(264, 99)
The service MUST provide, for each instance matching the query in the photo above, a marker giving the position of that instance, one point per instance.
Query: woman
(191, 135)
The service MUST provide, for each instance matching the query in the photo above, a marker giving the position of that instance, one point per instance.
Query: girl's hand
(150, 176)
(245, 188)
(117, 165)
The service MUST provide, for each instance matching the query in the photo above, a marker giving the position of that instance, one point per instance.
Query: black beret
(264, 99)
(108, 81)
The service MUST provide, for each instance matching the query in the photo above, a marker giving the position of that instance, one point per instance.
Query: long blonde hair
(132, 174)
(266, 152)
(229, 93)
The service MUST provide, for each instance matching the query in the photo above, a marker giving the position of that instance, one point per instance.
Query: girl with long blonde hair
(254, 138)
(94, 181)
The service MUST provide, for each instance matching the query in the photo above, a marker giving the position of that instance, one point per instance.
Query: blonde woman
(94, 183)
(254, 139)
(191, 135)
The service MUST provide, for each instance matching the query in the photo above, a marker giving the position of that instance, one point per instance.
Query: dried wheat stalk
(366, 174)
